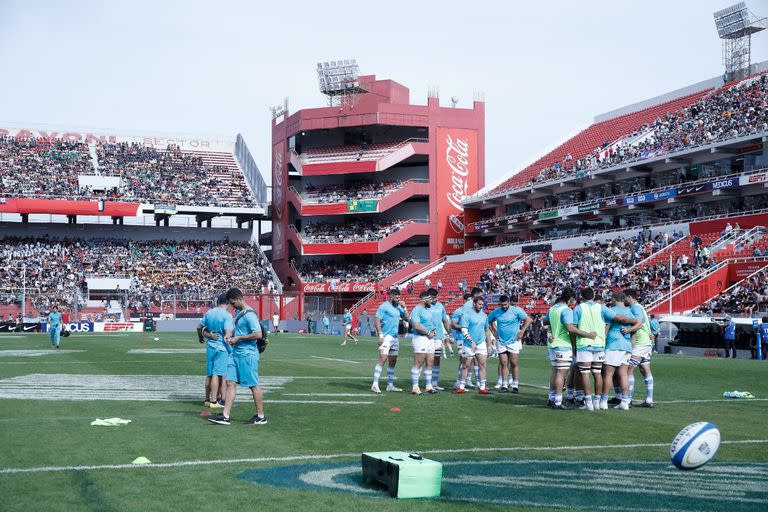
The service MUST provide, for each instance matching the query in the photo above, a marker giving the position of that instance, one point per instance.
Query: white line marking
(35, 353)
(329, 394)
(290, 458)
(339, 360)
(167, 351)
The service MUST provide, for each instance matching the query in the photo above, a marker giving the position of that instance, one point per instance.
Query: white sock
(558, 399)
(415, 375)
(376, 373)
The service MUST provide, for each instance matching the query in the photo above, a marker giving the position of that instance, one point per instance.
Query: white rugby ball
(695, 445)
(157, 339)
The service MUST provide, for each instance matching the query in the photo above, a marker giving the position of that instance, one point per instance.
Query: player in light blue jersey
(424, 331)
(476, 343)
(347, 321)
(641, 350)
(387, 321)
(505, 323)
(216, 324)
(455, 324)
(443, 325)
(54, 326)
(243, 368)
(618, 349)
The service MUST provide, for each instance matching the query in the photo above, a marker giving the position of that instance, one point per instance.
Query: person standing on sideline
(214, 327)
(326, 324)
(276, 322)
(243, 367)
(54, 326)
(347, 321)
(387, 322)
(729, 337)
(655, 330)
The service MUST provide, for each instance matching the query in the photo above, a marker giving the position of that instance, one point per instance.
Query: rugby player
(591, 316)
(618, 348)
(456, 319)
(424, 332)
(387, 321)
(243, 367)
(443, 326)
(347, 321)
(641, 350)
(474, 328)
(54, 326)
(505, 325)
(457, 338)
(216, 324)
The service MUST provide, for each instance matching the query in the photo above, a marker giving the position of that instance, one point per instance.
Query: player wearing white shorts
(591, 316)
(442, 337)
(641, 350)
(347, 321)
(424, 332)
(459, 338)
(387, 321)
(618, 347)
(559, 345)
(474, 349)
(504, 322)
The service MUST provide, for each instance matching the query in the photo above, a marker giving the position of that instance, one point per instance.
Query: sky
(545, 68)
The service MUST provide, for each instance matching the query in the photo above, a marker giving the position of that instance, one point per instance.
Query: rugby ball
(156, 339)
(695, 445)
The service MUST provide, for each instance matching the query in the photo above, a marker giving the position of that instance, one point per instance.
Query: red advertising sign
(334, 287)
(68, 207)
(457, 168)
(279, 201)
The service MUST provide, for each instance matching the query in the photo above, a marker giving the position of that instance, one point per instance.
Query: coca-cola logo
(457, 156)
(363, 287)
(277, 184)
(339, 287)
(315, 287)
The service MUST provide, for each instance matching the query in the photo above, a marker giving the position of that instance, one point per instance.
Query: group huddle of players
(587, 342)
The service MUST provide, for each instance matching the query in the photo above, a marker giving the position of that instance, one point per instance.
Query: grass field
(499, 452)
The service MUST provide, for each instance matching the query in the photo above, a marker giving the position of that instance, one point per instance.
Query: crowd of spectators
(604, 267)
(726, 113)
(55, 271)
(349, 191)
(36, 167)
(354, 231)
(351, 271)
(746, 298)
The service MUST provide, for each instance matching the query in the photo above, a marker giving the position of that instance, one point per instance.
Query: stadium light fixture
(735, 26)
(339, 79)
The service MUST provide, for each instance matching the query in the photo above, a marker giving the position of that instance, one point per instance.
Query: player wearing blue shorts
(216, 324)
(347, 321)
(243, 368)
(387, 322)
(505, 322)
(54, 326)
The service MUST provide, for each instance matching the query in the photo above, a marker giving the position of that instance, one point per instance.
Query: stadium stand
(351, 271)
(362, 152)
(355, 231)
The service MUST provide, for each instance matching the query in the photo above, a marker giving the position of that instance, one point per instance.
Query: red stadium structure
(373, 181)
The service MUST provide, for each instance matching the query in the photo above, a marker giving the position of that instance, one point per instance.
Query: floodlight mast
(340, 81)
(735, 26)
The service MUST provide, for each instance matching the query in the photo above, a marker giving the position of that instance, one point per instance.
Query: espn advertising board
(456, 177)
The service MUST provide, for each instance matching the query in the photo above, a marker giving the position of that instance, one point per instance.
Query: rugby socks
(390, 376)
(427, 377)
(481, 384)
(569, 393)
(458, 375)
(558, 399)
(376, 373)
(631, 385)
(649, 388)
(617, 391)
(415, 376)
(580, 395)
(588, 402)
(476, 371)
(552, 396)
(462, 384)
(512, 383)
(435, 375)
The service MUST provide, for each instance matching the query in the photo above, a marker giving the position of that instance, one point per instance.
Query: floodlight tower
(735, 26)
(339, 80)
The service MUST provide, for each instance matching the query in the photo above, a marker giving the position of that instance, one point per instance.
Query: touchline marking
(35, 353)
(290, 458)
(328, 394)
(339, 360)
(166, 351)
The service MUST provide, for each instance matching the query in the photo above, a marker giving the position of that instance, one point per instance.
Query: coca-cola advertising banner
(279, 201)
(457, 168)
(336, 287)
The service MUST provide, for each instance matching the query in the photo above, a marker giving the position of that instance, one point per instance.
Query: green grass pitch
(500, 452)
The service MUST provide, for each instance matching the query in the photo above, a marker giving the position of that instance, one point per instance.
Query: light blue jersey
(216, 321)
(638, 311)
(655, 327)
(423, 316)
(246, 322)
(347, 318)
(54, 318)
(615, 339)
(507, 323)
(390, 317)
(438, 311)
(476, 322)
(456, 317)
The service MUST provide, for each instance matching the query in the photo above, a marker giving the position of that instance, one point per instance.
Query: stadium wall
(59, 231)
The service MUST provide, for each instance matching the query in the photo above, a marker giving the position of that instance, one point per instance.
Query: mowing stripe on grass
(289, 458)
(339, 360)
(35, 353)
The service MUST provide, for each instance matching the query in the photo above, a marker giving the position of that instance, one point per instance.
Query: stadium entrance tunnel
(568, 484)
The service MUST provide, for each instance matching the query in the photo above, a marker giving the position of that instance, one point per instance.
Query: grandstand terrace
(61, 175)
(693, 155)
